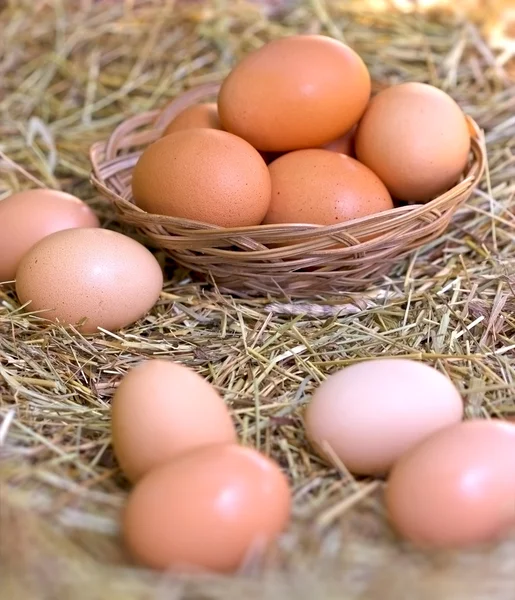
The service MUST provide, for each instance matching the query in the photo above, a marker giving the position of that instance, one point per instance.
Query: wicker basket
(295, 260)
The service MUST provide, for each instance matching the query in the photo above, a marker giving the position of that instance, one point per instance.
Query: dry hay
(68, 76)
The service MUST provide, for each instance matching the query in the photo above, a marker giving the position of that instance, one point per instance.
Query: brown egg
(343, 144)
(416, 139)
(456, 488)
(207, 510)
(300, 91)
(90, 278)
(369, 414)
(323, 187)
(194, 117)
(27, 217)
(162, 409)
(203, 175)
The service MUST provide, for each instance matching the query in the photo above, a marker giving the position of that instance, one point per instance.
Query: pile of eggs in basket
(294, 137)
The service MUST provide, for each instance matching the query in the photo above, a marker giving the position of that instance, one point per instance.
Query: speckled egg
(203, 175)
(322, 187)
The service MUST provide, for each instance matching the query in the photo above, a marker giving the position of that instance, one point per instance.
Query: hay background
(69, 72)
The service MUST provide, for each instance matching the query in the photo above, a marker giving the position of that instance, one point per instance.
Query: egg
(27, 217)
(299, 91)
(208, 510)
(416, 139)
(322, 187)
(343, 144)
(369, 414)
(89, 277)
(197, 116)
(203, 175)
(162, 409)
(457, 487)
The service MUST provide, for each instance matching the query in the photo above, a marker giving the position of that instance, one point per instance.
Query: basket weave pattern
(298, 260)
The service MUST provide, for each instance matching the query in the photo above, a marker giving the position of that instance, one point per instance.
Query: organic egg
(369, 414)
(416, 139)
(203, 175)
(208, 509)
(457, 487)
(89, 278)
(194, 117)
(322, 187)
(295, 92)
(343, 144)
(28, 216)
(162, 409)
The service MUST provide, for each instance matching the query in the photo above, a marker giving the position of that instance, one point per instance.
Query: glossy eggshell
(90, 278)
(300, 91)
(194, 117)
(203, 175)
(416, 139)
(323, 188)
(370, 413)
(162, 409)
(456, 488)
(207, 510)
(27, 217)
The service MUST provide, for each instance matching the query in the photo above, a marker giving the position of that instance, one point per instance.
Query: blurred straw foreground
(69, 73)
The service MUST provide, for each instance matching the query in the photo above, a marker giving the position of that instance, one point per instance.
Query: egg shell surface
(322, 187)
(162, 409)
(299, 91)
(457, 487)
(416, 139)
(27, 217)
(203, 115)
(207, 510)
(89, 277)
(203, 175)
(370, 413)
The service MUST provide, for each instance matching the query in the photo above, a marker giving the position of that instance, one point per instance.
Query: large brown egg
(296, 92)
(89, 278)
(203, 175)
(322, 187)
(197, 116)
(416, 139)
(162, 409)
(27, 217)
(210, 509)
(457, 487)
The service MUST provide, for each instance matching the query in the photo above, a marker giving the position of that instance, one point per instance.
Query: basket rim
(157, 119)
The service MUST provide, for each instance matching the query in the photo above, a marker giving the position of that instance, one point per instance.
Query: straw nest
(70, 73)
(310, 259)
